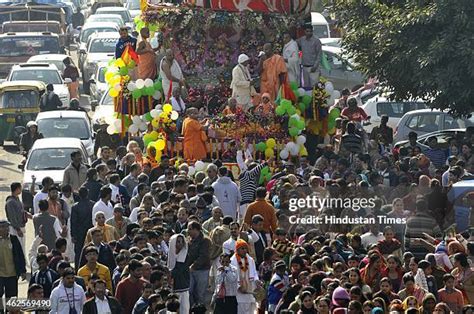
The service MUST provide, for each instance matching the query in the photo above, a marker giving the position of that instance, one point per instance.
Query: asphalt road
(9, 172)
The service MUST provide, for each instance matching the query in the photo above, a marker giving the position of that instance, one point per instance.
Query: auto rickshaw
(19, 103)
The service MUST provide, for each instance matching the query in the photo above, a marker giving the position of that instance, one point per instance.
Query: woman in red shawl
(372, 272)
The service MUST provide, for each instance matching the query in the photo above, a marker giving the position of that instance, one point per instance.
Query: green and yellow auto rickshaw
(19, 103)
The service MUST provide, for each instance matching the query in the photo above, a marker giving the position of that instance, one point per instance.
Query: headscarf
(405, 302)
(240, 244)
(172, 256)
(242, 58)
(340, 294)
(456, 247)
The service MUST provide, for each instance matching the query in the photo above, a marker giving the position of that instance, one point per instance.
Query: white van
(320, 25)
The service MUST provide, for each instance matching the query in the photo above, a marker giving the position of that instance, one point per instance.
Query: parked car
(97, 85)
(48, 158)
(104, 109)
(123, 12)
(67, 123)
(320, 25)
(341, 71)
(114, 18)
(101, 48)
(133, 6)
(377, 106)
(50, 58)
(43, 72)
(91, 28)
(332, 42)
(443, 138)
(426, 121)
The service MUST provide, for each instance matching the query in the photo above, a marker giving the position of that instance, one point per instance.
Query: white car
(114, 18)
(101, 48)
(97, 85)
(43, 72)
(50, 58)
(377, 106)
(48, 158)
(67, 123)
(123, 12)
(426, 121)
(91, 28)
(133, 6)
(104, 108)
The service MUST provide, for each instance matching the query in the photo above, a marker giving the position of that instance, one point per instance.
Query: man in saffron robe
(147, 57)
(272, 70)
(194, 143)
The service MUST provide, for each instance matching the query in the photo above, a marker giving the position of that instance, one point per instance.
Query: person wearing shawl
(146, 56)
(429, 303)
(242, 84)
(151, 156)
(171, 74)
(291, 57)
(194, 143)
(371, 273)
(266, 107)
(441, 256)
(178, 250)
(247, 278)
(272, 71)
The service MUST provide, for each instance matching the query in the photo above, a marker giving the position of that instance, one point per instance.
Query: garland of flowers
(243, 266)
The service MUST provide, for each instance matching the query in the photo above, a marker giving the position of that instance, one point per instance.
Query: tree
(416, 48)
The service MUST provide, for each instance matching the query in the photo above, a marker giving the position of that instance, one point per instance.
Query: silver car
(341, 71)
(425, 121)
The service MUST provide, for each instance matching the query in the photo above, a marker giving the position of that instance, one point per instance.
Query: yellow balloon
(271, 143)
(303, 151)
(269, 153)
(155, 123)
(154, 135)
(113, 92)
(108, 76)
(160, 145)
(167, 108)
(163, 115)
(158, 156)
(119, 62)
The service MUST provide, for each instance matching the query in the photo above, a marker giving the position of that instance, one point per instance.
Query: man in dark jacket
(16, 213)
(92, 184)
(81, 221)
(200, 262)
(106, 255)
(44, 276)
(12, 262)
(50, 100)
(101, 303)
(127, 240)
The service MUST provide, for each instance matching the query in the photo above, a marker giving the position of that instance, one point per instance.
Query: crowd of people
(137, 234)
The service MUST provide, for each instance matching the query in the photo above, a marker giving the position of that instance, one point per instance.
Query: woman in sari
(464, 277)
(291, 57)
(194, 143)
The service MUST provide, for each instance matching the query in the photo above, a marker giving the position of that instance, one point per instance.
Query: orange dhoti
(73, 88)
(194, 143)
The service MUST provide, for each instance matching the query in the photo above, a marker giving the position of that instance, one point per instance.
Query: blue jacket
(278, 285)
(122, 43)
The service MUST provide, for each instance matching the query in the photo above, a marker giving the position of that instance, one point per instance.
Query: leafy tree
(416, 48)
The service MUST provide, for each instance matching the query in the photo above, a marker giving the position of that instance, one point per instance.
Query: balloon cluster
(265, 175)
(116, 75)
(294, 148)
(145, 87)
(198, 166)
(162, 120)
(268, 147)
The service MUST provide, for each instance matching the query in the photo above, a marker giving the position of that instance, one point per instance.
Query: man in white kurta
(247, 278)
(241, 85)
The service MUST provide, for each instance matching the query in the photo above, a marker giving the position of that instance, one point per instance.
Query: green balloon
(149, 91)
(306, 100)
(294, 85)
(131, 65)
(148, 117)
(331, 124)
(265, 170)
(293, 122)
(297, 94)
(136, 93)
(302, 106)
(300, 125)
(334, 113)
(158, 86)
(291, 110)
(261, 146)
(280, 110)
(123, 71)
(294, 131)
(285, 103)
